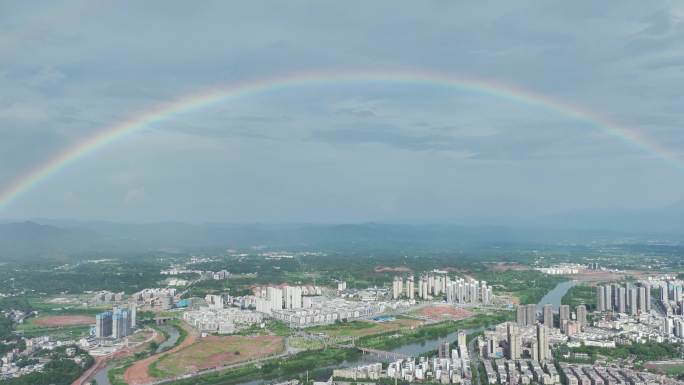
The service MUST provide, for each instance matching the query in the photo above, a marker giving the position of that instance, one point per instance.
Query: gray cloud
(339, 151)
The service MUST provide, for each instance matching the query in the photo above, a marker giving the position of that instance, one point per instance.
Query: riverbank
(391, 340)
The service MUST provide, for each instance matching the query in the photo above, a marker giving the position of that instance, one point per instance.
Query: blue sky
(343, 153)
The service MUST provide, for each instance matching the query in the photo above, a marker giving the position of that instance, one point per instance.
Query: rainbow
(164, 112)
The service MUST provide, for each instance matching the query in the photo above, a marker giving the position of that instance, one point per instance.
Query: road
(218, 369)
(475, 360)
(101, 362)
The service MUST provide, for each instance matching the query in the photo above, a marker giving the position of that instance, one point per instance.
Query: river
(554, 296)
(411, 349)
(102, 376)
(173, 337)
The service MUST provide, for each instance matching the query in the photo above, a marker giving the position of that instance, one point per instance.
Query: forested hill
(73, 239)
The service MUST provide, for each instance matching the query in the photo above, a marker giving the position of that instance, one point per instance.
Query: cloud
(135, 196)
(300, 148)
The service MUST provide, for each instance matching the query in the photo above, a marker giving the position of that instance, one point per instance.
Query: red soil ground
(138, 374)
(65, 320)
(389, 269)
(442, 312)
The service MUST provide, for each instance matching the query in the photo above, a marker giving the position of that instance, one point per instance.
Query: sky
(340, 152)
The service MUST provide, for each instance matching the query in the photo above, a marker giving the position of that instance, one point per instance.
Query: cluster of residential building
(16, 363)
(450, 366)
(527, 315)
(628, 298)
(575, 374)
(16, 315)
(117, 323)
(203, 274)
(652, 327)
(563, 269)
(509, 372)
(273, 298)
(322, 310)
(672, 297)
(106, 297)
(438, 284)
(519, 343)
(222, 321)
(154, 298)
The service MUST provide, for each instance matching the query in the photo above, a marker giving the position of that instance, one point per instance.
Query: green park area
(580, 295)
(394, 339)
(364, 328)
(636, 352)
(529, 286)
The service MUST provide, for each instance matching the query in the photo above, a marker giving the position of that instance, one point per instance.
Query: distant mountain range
(65, 238)
(665, 220)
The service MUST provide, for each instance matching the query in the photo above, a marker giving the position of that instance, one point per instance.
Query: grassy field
(306, 343)
(215, 351)
(529, 286)
(272, 327)
(580, 295)
(57, 327)
(390, 340)
(58, 333)
(282, 369)
(364, 328)
(674, 368)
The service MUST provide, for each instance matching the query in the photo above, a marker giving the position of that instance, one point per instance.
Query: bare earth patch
(64, 320)
(366, 328)
(217, 351)
(444, 312)
(390, 269)
(138, 373)
(503, 266)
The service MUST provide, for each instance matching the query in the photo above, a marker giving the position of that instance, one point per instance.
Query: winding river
(555, 295)
(411, 349)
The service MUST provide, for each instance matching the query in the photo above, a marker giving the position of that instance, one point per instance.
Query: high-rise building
(531, 314)
(664, 294)
(641, 299)
(543, 353)
(564, 312)
(677, 294)
(275, 297)
(622, 300)
(425, 285)
(214, 301)
(633, 301)
(461, 339)
(491, 348)
(521, 315)
(103, 324)
(548, 315)
(443, 349)
(397, 287)
(648, 297)
(132, 311)
(514, 342)
(600, 298)
(609, 295)
(581, 313)
(410, 288)
(293, 297)
(121, 322)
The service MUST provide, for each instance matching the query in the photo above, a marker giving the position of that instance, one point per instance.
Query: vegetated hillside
(26, 240)
(74, 239)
